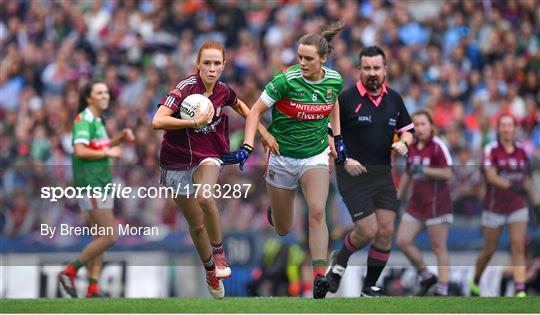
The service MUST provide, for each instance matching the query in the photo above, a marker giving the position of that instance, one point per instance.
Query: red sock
(307, 286)
(318, 271)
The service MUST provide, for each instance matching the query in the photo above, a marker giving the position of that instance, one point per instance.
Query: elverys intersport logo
(303, 111)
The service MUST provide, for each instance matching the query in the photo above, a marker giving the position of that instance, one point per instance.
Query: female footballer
(91, 168)
(302, 99)
(190, 154)
(428, 169)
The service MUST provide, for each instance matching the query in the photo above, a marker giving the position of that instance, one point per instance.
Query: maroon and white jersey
(430, 198)
(185, 148)
(510, 166)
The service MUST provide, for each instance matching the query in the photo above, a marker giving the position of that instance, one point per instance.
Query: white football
(190, 103)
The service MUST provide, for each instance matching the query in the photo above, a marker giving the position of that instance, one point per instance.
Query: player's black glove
(340, 149)
(415, 169)
(239, 156)
(518, 189)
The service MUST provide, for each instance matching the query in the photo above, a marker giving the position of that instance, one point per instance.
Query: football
(190, 103)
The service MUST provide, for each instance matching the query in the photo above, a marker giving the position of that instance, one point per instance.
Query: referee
(370, 113)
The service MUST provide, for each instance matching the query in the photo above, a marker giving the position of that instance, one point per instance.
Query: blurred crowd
(467, 61)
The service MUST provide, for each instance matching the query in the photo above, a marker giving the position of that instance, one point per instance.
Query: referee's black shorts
(364, 193)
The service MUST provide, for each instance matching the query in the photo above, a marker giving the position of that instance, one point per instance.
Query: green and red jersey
(90, 130)
(300, 110)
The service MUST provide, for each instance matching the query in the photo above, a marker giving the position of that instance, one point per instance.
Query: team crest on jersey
(329, 93)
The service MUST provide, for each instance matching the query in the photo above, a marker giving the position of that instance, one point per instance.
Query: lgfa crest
(329, 93)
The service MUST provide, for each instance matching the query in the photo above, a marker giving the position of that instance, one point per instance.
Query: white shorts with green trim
(285, 172)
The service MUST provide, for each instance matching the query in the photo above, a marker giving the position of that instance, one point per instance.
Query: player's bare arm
(163, 119)
(494, 179)
(82, 151)
(336, 128)
(252, 121)
(268, 141)
(529, 188)
(438, 173)
(334, 119)
(125, 135)
(403, 185)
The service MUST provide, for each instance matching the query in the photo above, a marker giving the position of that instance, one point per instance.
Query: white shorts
(103, 203)
(495, 220)
(182, 181)
(445, 218)
(285, 172)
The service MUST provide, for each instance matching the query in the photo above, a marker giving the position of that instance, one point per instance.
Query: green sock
(319, 263)
(92, 281)
(77, 264)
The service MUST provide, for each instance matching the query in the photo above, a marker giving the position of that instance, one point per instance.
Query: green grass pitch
(274, 305)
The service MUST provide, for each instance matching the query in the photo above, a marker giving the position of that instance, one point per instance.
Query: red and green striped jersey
(300, 110)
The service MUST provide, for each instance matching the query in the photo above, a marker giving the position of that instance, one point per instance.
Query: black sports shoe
(371, 292)
(427, 284)
(334, 273)
(96, 295)
(438, 294)
(269, 216)
(68, 283)
(320, 287)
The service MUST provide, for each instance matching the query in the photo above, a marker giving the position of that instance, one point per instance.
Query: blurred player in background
(280, 271)
(190, 154)
(301, 98)
(507, 172)
(370, 114)
(91, 168)
(428, 169)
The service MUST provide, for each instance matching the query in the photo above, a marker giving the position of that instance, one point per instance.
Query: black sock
(209, 264)
(376, 262)
(217, 248)
(346, 251)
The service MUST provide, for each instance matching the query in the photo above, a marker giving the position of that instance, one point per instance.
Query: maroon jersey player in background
(506, 169)
(190, 153)
(428, 169)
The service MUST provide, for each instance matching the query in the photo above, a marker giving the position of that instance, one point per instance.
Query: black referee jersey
(368, 125)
